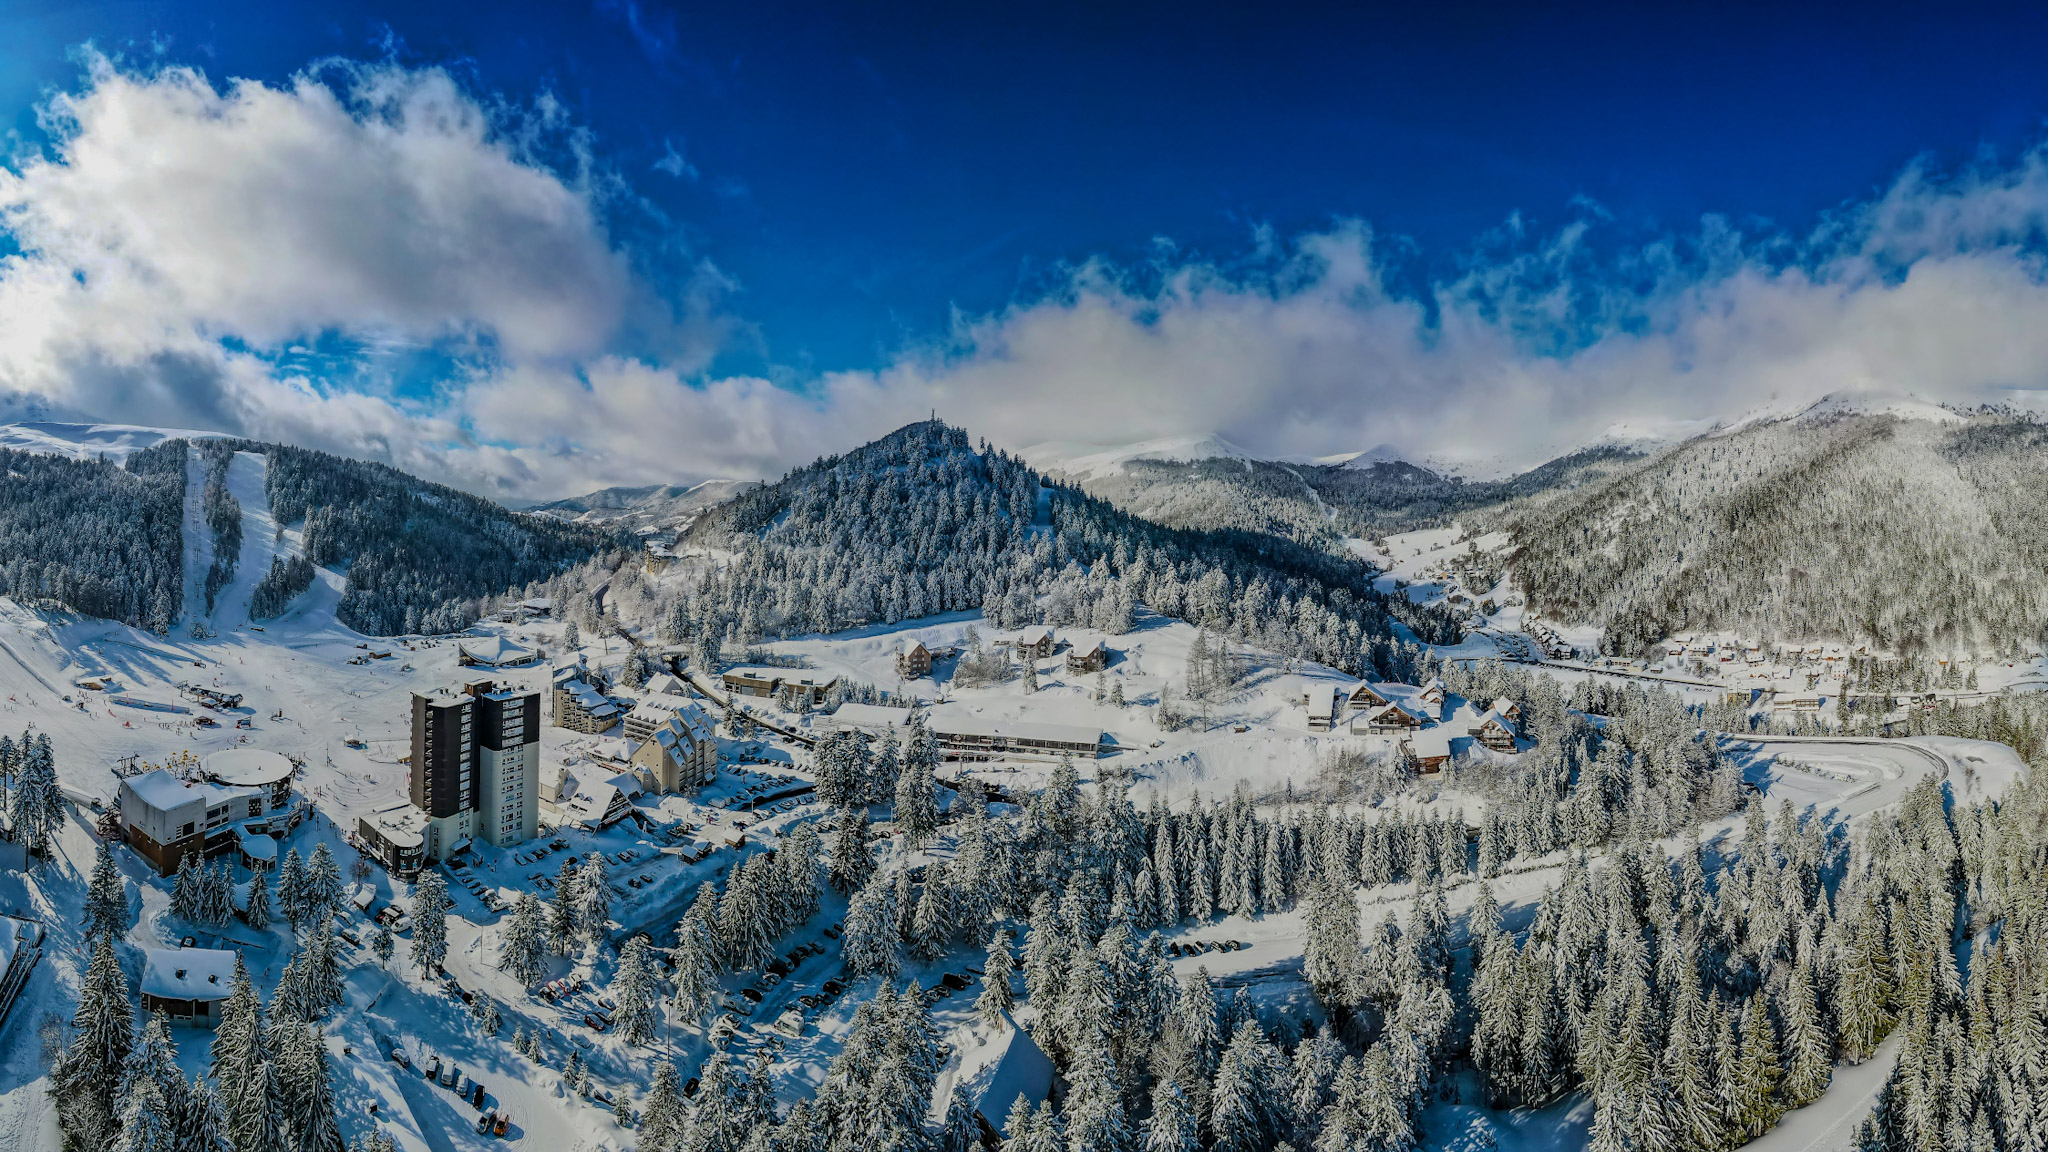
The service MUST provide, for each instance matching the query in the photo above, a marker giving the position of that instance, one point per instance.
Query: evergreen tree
(291, 890)
(89, 1071)
(997, 999)
(257, 913)
(852, 862)
(430, 905)
(563, 922)
(106, 899)
(661, 1117)
(594, 899)
(634, 991)
(523, 946)
(869, 943)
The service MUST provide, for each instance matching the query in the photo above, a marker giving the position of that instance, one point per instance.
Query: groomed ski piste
(315, 690)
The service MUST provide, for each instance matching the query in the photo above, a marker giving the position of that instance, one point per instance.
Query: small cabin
(1494, 731)
(1090, 657)
(1391, 720)
(1364, 696)
(913, 660)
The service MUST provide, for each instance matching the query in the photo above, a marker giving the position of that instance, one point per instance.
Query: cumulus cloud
(178, 241)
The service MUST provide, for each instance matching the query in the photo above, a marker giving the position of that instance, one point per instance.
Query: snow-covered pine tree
(291, 890)
(185, 895)
(106, 898)
(1332, 950)
(382, 944)
(696, 958)
(662, 1116)
(1173, 1126)
(306, 1089)
(634, 991)
(257, 911)
(523, 946)
(562, 909)
(88, 1073)
(323, 885)
(869, 944)
(997, 998)
(852, 862)
(430, 905)
(594, 899)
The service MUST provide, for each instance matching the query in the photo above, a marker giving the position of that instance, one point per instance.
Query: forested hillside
(1915, 534)
(102, 538)
(418, 555)
(1318, 504)
(922, 522)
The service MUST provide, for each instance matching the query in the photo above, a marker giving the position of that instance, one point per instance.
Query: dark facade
(443, 776)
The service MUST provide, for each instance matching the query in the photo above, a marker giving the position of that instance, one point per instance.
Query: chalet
(1033, 643)
(664, 684)
(1090, 657)
(913, 660)
(1494, 731)
(1391, 719)
(1431, 748)
(1364, 697)
(188, 985)
(597, 806)
(1509, 710)
(1433, 692)
(1322, 708)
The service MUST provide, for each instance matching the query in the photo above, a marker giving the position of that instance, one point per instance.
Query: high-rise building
(475, 765)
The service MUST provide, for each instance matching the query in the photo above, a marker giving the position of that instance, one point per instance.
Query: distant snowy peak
(84, 440)
(1377, 454)
(651, 508)
(1094, 461)
(1846, 402)
(1903, 405)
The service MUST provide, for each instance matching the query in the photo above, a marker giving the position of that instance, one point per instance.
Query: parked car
(476, 1094)
(483, 1124)
(503, 1122)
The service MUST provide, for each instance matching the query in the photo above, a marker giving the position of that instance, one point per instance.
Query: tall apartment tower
(476, 766)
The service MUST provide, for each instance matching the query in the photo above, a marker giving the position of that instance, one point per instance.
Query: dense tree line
(1913, 535)
(418, 555)
(921, 522)
(288, 576)
(223, 514)
(101, 539)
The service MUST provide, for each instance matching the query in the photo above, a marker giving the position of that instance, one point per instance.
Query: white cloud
(178, 236)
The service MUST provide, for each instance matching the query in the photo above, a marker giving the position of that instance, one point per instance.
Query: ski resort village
(920, 800)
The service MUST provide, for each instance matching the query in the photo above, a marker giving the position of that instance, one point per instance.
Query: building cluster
(241, 803)
(1414, 715)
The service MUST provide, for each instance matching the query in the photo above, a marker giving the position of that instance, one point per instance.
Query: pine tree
(88, 1073)
(1806, 1041)
(661, 1117)
(106, 899)
(306, 1092)
(201, 1125)
(1757, 1071)
(852, 861)
(634, 992)
(185, 895)
(152, 1092)
(523, 946)
(696, 958)
(257, 913)
(563, 924)
(869, 943)
(1173, 1126)
(594, 904)
(291, 890)
(323, 885)
(997, 999)
(1330, 957)
(383, 944)
(430, 905)
(259, 1123)
(960, 1132)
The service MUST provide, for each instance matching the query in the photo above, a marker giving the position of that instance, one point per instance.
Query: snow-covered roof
(1430, 743)
(597, 805)
(1321, 702)
(248, 767)
(589, 699)
(1492, 717)
(257, 845)
(948, 722)
(1034, 635)
(403, 825)
(188, 973)
(163, 791)
(494, 651)
(1090, 648)
(913, 645)
(1022, 1070)
(870, 716)
(663, 684)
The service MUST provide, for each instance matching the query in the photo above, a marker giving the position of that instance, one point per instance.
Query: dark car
(476, 1094)
(781, 967)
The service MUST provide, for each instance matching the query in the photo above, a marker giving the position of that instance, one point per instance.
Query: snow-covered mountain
(1093, 461)
(647, 510)
(1860, 517)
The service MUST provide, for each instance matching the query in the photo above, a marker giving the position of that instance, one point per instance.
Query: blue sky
(845, 204)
